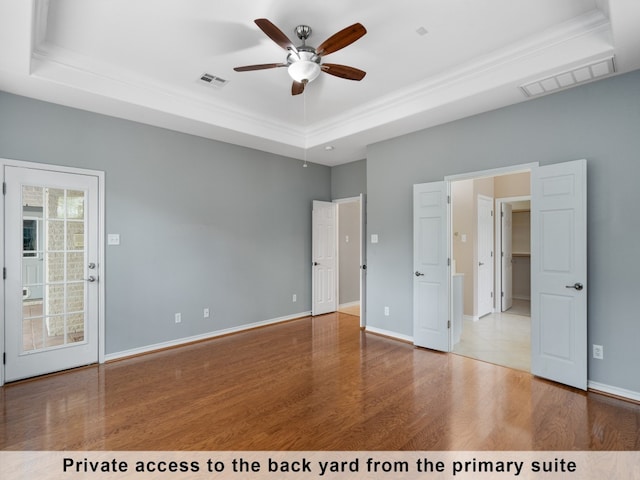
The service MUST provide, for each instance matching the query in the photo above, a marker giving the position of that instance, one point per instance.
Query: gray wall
(202, 223)
(349, 180)
(600, 122)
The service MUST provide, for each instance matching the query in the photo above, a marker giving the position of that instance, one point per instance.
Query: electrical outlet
(294, 298)
(598, 352)
(178, 317)
(386, 311)
(206, 313)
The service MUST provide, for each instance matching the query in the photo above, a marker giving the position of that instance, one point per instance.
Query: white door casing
(324, 258)
(485, 256)
(559, 273)
(506, 256)
(69, 239)
(363, 260)
(430, 266)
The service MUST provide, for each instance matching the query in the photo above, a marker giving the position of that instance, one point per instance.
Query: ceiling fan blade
(297, 88)
(263, 66)
(275, 34)
(343, 71)
(339, 40)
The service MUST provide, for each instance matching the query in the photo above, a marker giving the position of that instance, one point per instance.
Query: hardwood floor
(311, 384)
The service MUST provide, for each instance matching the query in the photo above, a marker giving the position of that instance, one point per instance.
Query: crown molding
(593, 23)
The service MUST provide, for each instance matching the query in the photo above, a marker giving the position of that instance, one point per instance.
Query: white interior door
(430, 266)
(51, 316)
(506, 242)
(485, 255)
(559, 273)
(363, 260)
(324, 261)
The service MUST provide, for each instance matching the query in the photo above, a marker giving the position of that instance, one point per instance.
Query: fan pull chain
(304, 123)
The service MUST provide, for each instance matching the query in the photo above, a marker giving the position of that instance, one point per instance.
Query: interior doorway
(339, 257)
(349, 241)
(558, 325)
(491, 269)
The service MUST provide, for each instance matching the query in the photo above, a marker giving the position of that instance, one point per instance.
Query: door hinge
(448, 198)
(448, 323)
(502, 214)
(4, 273)
(492, 213)
(491, 294)
(502, 294)
(4, 188)
(4, 358)
(448, 262)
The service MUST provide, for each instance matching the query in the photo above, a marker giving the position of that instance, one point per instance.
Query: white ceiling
(142, 59)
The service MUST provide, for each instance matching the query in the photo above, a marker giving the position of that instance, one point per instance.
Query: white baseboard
(349, 304)
(197, 338)
(388, 333)
(521, 297)
(470, 318)
(618, 392)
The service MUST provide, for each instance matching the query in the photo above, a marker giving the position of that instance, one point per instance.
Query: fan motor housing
(303, 31)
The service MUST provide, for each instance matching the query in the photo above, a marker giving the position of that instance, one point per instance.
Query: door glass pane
(53, 268)
(55, 235)
(75, 205)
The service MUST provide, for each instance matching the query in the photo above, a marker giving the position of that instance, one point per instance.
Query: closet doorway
(496, 329)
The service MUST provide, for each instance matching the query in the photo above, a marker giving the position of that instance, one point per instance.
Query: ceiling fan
(304, 63)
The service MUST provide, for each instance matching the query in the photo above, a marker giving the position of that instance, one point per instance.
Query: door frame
(360, 200)
(498, 242)
(494, 172)
(101, 245)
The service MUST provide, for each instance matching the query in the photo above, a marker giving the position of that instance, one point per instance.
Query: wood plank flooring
(311, 384)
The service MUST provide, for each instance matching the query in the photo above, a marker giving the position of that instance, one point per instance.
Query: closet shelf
(521, 254)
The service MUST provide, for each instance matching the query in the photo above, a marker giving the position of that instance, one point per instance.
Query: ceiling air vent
(213, 81)
(571, 78)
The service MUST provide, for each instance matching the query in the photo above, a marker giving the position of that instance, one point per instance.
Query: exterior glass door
(51, 250)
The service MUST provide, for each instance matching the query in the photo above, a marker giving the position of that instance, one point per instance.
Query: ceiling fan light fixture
(304, 62)
(304, 71)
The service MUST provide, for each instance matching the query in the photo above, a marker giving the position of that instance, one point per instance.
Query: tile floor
(499, 338)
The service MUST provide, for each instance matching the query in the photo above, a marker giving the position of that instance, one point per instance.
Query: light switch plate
(374, 238)
(113, 239)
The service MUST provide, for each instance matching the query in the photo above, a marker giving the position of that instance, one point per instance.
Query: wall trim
(493, 172)
(521, 297)
(349, 304)
(597, 387)
(198, 338)
(470, 318)
(388, 333)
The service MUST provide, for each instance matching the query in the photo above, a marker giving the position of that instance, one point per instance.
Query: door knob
(577, 286)
(91, 278)
(480, 263)
(419, 274)
(315, 264)
(91, 266)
